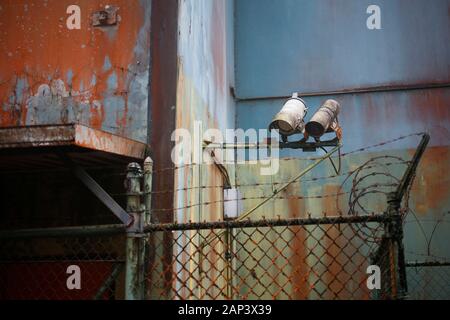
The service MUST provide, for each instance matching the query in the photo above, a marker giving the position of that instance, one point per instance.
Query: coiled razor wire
(363, 187)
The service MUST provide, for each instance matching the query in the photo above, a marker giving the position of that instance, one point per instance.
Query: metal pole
(148, 172)
(395, 225)
(133, 266)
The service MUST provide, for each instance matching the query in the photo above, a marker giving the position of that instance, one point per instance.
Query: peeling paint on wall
(94, 76)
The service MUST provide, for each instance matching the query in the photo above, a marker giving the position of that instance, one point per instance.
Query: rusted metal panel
(322, 46)
(163, 88)
(36, 136)
(99, 140)
(70, 135)
(163, 91)
(60, 64)
(205, 74)
(426, 227)
(368, 118)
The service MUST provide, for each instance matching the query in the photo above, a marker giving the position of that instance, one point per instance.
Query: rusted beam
(266, 223)
(163, 99)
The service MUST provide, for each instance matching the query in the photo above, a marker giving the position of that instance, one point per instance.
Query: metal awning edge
(70, 135)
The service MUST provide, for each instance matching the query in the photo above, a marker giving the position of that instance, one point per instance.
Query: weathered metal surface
(163, 86)
(147, 185)
(99, 140)
(369, 118)
(192, 74)
(205, 75)
(106, 17)
(324, 120)
(56, 71)
(70, 135)
(321, 46)
(36, 136)
(219, 225)
(320, 192)
(135, 250)
(290, 119)
(255, 259)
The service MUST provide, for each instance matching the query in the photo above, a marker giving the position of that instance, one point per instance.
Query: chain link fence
(312, 258)
(428, 280)
(37, 265)
(349, 256)
(309, 258)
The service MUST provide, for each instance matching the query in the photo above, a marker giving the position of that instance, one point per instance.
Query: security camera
(324, 120)
(290, 119)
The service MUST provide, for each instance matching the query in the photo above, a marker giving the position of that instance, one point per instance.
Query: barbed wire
(245, 185)
(289, 197)
(303, 159)
(361, 187)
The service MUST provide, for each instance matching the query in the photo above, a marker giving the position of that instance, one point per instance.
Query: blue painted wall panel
(320, 46)
(369, 118)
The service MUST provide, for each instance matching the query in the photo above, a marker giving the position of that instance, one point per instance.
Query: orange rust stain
(36, 45)
(335, 277)
(300, 269)
(218, 43)
(431, 186)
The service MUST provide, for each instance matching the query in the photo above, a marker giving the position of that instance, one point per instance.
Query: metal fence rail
(311, 258)
(428, 280)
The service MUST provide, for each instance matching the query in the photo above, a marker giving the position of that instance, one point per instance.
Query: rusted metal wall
(53, 71)
(205, 74)
(163, 95)
(322, 46)
(390, 82)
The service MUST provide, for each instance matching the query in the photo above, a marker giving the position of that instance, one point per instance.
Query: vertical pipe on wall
(163, 99)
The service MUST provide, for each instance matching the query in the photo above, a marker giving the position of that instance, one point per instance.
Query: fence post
(148, 171)
(134, 284)
(396, 249)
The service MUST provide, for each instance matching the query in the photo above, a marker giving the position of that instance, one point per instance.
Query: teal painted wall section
(322, 46)
(390, 83)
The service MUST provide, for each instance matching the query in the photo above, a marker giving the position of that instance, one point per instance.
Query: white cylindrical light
(290, 119)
